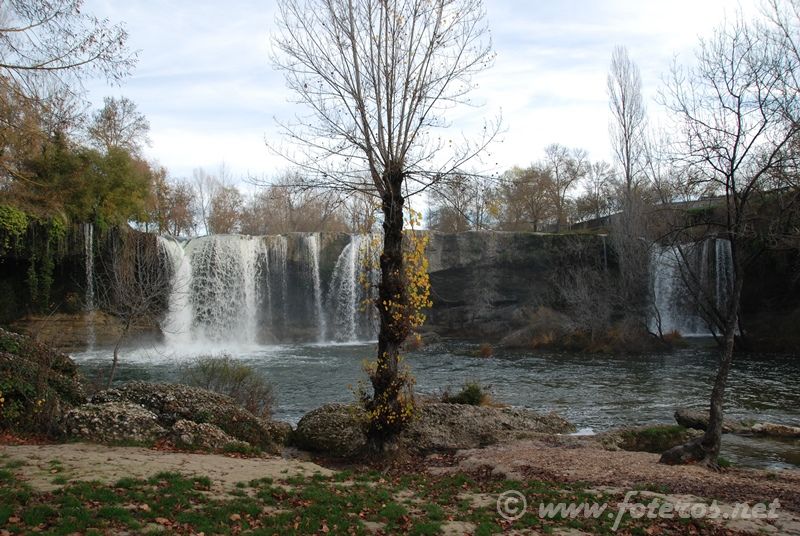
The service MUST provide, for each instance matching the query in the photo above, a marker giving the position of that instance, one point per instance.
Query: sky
(205, 81)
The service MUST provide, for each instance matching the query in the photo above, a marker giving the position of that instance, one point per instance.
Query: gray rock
(655, 439)
(340, 430)
(174, 402)
(440, 426)
(189, 434)
(335, 429)
(113, 422)
(698, 420)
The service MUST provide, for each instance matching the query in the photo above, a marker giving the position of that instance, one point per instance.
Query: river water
(595, 392)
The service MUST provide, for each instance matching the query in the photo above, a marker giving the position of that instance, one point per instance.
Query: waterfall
(724, 267)
(675, 303)
(277, 252)
(312, 245)
(253, 290)
(216, 295)
(343, 292)
(177, 326)
(89, 305)
(351, 289)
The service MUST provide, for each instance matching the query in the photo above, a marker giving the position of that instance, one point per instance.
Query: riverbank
(82, 488)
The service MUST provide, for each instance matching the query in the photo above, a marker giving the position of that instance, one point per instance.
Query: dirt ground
(554, 459)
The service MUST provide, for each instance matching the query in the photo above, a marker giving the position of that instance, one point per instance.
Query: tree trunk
(392, 297)
(704, 450)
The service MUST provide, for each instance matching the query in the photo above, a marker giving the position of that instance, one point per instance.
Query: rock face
(483, 282)
(173, 403)
(37, 384)
(340, 430)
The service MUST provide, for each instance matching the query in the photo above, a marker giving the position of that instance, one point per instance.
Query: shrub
(226, 375)
(471, 394)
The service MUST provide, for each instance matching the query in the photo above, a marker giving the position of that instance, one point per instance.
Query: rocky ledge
(698, 420)
(340, 430)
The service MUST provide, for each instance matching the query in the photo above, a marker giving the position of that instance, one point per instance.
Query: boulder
(443, 427)
(338, 430)
(113, 422)
(698, 420)
(37, 384)
(174, 402)
(204, 436)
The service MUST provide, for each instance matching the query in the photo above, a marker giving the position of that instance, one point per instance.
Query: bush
(471, 394)
(226, 375)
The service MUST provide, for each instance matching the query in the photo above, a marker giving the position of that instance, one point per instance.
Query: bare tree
(598, 201)
(119, 125)
(377, 78)
(565, 167)
(739, 118)
(47, 49)
(135, 284)
(205, 187)
(225, 215)
(524, 199)
(628, 120)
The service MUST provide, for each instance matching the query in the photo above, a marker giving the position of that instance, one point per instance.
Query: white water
(89, 305)
(312, 244)
(676, 305)
(352, 286)
(177, 325)
(239, 291)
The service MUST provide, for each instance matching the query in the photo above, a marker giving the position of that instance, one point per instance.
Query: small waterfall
(312, 245)
(89, 305)
(352, 287)
(675, 303)
(277, 252)
(177, 326)
(724, 267)
(342, 293)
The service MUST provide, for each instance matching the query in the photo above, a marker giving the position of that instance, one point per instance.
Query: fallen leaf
(235, 517)
(162, 521)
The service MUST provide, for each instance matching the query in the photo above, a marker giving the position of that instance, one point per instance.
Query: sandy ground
(83, 461)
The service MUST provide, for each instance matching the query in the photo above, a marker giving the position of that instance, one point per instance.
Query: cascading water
(277, 255)
(351, 288)
(89, 305)
(252, 290)
(724, 266)
(312, 245)
(177, 326)
(675, 303)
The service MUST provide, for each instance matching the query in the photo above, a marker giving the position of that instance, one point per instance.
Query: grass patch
(416, 504)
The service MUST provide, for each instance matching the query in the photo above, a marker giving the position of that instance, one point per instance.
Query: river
(595, 392)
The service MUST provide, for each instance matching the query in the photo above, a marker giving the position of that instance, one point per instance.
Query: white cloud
(205, 82)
